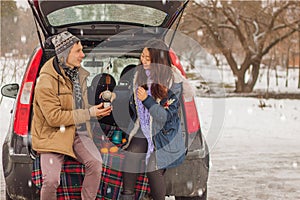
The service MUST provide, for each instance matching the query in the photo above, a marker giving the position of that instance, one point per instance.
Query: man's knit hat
(63, 42)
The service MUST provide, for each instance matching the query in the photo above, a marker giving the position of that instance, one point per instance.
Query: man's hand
(100, 111)
(141, 93)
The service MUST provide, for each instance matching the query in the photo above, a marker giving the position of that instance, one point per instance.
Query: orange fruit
(113, 149)
(104, 150)
(124, 140)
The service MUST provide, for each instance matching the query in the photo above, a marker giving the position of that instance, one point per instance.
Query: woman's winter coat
(165, 126)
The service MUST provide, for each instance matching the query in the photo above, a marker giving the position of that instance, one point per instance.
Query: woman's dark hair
(161, 73)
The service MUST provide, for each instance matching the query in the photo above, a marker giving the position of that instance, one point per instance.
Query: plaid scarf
(74, 77)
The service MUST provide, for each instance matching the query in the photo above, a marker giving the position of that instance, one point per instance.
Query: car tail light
(191, 114)
(24, 100)
(176, 62)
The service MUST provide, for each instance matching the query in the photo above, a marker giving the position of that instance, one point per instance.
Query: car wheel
(203, 197)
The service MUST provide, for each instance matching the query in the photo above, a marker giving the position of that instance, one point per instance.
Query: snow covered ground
(255, 155)
(269, 80)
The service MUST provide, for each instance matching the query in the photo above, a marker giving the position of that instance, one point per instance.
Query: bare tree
(299, 56)
(243, 31)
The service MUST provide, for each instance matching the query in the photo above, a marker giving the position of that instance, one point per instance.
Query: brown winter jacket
(54, 119)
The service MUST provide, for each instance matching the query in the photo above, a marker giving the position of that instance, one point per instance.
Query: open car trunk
(101, 19)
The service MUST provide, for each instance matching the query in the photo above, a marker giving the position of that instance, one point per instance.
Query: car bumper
(190, 178)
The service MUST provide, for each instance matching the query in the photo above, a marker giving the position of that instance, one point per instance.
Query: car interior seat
(100, 83)
(123, 91)
(126, 76)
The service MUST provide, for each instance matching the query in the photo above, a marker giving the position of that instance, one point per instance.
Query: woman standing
(155, 135)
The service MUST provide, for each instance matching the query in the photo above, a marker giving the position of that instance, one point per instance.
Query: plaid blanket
(72, 175)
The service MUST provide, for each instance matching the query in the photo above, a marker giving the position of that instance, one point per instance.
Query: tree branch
(273, 43)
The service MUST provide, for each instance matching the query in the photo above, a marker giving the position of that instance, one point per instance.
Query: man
(60, 124)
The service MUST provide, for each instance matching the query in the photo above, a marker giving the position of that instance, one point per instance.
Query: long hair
(161, 73)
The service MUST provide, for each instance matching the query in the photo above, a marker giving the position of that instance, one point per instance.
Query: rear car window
(114, 66)
(107, 13)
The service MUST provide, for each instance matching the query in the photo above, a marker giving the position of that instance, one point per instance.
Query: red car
(112, 34)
